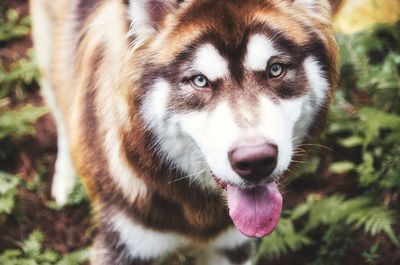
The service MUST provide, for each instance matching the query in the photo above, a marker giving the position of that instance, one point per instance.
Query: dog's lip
(222, 184)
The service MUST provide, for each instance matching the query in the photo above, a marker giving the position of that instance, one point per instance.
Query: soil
(71, 228)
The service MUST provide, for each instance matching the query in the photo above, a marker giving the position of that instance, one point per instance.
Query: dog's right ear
(147, 15)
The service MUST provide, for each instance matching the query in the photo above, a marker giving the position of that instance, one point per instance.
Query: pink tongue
(256, 211)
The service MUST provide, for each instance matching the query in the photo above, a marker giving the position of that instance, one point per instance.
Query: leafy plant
(283, 240)
(372, 255)
(16, 121)
(19, 123)
(32, 253)
(14, 81)
(12, 26)
(335, 244)
(364, 124)
(333, 212)
(8, 192)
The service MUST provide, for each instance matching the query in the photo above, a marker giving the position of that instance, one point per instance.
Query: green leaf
(13, 27)
(342, 167)
(33, 245)
(19, 123)
(282, 241)
(8, 191)
(351, 142)
(75, 258)
(374, 120)
(368, 175)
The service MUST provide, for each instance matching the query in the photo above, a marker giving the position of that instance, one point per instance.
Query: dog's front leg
(122, 241)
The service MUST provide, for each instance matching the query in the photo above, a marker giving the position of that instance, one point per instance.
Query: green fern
(8, 192)
(372, 256)
(360, 212)
(33, 253)
(75, 258)
(19, 123)
(21, 74)
(12, 26)
(330, 212)
(283, 240)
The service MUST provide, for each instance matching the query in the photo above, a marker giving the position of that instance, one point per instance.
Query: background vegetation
(342, 206)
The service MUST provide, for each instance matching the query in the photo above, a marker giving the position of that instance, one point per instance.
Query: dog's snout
(254, 163)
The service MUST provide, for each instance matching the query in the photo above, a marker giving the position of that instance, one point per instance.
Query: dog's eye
(200, 81)
(276, 70)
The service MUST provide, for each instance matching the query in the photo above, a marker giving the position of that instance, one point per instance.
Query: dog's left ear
(147, 15)
(320, 9)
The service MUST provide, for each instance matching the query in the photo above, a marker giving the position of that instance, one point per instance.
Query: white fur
(176, 147)
(277, 124)
(155, 104)
(214, 133)
(114, 108)
(210, 62)
(259, 50)
(65, 177)
(131, 186)
(182, 136)
(145, 243)
(230, 239)
(141, 24)
(318, 83)
(313, 101)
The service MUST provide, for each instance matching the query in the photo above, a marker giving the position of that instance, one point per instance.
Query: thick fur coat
(182, 116)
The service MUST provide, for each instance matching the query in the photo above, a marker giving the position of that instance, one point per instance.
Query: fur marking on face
(259, 51)
(318, 82)
(208, 61)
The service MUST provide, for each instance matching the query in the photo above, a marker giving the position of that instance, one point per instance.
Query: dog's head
(230, 87)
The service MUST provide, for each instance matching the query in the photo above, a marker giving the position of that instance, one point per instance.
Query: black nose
(254, 163)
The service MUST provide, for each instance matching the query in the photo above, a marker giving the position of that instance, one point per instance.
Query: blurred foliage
(364, 121)
(13, 26)
(16, 118)
(13, 82)
(16, 121)
(32, 253)
(332, 212)
(8, 192)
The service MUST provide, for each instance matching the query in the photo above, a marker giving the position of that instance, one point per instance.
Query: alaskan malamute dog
(182, 116)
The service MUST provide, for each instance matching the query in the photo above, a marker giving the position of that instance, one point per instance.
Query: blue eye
(276, 70)
(200, 81)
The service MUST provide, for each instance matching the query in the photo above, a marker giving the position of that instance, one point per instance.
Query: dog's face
(231, 87)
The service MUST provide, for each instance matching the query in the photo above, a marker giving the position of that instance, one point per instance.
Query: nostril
(243, 166)
(268, 161)
(254, 163)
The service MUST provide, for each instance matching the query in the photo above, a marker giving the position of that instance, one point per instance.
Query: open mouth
(255, 211)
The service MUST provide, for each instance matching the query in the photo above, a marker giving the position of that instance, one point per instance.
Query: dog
(182, 116)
